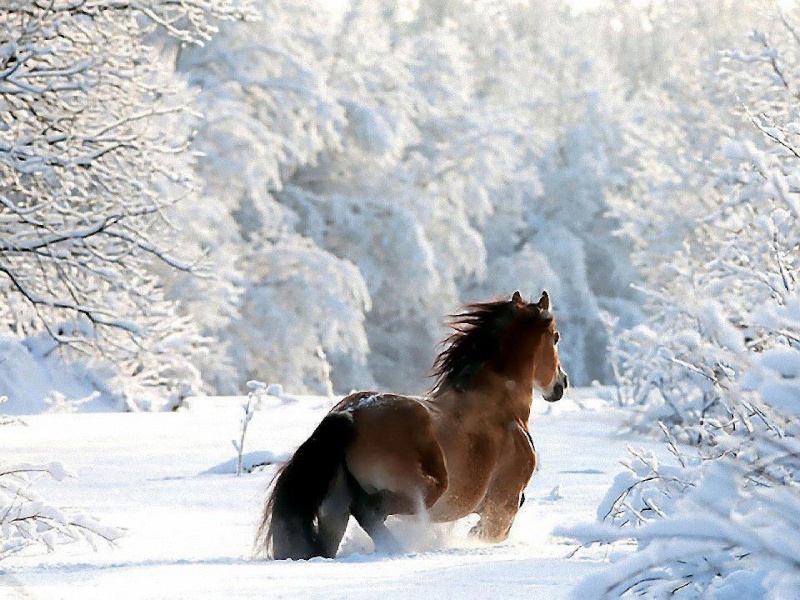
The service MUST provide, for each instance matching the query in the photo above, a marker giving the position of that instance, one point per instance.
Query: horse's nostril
(566, 381)
(558, 391)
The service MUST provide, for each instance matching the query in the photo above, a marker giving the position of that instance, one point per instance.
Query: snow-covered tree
(451, 151)
(268, 112)
(453, 169)
(718, 365)
(302, 317)
(548, 225)
(93, 151)
(669, 56)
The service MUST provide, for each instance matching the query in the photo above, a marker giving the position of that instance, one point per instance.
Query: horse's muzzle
(562, 382)
(558, 392)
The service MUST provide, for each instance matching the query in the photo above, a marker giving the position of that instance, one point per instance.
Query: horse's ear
(516, 298)
(544, 301)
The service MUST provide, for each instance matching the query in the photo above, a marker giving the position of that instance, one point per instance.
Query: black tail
(292, 525)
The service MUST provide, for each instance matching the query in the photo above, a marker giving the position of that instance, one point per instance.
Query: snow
(712, 315)
(784, 360)
(34, 380)
(167, 479)
(250, 462)
(364, 402)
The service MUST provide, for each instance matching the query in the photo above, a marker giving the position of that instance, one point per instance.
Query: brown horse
(462, 449)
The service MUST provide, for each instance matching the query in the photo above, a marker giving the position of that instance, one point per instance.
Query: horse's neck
(510, 395)
(495, 396)
(512, 372)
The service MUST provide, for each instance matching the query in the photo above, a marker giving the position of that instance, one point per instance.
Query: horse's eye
(556, 337)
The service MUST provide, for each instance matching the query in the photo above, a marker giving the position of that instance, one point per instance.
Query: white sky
(339, 5)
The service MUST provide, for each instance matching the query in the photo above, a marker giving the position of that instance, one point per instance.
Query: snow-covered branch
(717, 364)
(28, 521)
(95, 133)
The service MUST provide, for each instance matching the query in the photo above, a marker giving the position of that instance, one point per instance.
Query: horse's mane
(474, 341)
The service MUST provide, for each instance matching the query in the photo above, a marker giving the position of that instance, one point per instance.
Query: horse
(463, 448)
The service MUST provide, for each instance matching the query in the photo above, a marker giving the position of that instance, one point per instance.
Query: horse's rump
(395, 450)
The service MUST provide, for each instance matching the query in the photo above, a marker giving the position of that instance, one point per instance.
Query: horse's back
(394, 449)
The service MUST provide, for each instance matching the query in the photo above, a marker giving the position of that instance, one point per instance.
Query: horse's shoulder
(522, 451)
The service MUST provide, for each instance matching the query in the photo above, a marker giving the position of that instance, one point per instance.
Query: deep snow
(190, 524)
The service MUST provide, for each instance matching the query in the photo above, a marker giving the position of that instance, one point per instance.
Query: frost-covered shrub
(43, 373)
(718, 365)
(257, 388)
(725, 528)
(28, 521)
(713, 316)
(720, 520)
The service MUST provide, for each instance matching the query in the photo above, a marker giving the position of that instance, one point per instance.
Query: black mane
(477, 332)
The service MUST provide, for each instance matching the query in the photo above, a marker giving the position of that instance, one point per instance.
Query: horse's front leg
(496, 515)
(504, 496)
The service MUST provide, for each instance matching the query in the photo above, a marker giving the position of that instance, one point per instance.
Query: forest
(198, 194)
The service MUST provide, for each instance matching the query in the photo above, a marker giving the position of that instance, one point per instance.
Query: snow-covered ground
(190, 524)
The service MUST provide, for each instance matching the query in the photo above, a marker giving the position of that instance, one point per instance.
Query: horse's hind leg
(370, 512)
(333, 515)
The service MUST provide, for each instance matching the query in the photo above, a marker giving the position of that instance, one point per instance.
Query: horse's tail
(291, 524)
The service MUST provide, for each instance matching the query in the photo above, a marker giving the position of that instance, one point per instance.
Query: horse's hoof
(477, 531)
(388, 544)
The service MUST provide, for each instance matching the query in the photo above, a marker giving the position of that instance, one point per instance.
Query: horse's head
(548, 376)
(504, 335)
